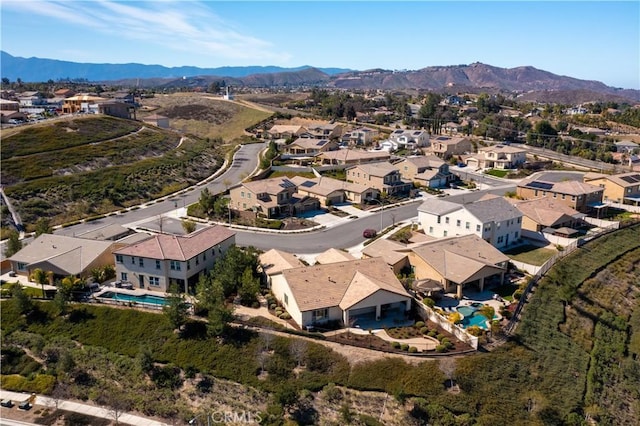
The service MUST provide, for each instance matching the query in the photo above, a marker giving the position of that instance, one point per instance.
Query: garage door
(362, 311)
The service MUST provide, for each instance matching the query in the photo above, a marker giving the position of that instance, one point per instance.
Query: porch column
(459, 291)
(378, 312)
(482, 284)
(345, 318)
(502, 278)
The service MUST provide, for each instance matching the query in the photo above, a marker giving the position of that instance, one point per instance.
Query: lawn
(530, 254)
(497, 172)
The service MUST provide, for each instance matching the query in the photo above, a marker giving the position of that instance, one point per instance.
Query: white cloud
(189, 27)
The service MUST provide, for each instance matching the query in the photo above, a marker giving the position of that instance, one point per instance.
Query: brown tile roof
(323, 286)
(459, 258)
(271, 186)
(178, 247)
(568, 187)
(544, 211)
(275, 261)
(391, 251)
(617, 179)
(333, 255)
(326, 185)
(379, 169)
(354, 155)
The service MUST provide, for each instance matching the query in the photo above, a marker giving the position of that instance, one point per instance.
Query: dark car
(6, 403)
(26, 405)
(369, 233)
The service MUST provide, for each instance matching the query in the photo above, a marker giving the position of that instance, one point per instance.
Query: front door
(141, 281)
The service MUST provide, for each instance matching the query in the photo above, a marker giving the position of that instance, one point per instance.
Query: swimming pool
(472, 316)
(145, 298)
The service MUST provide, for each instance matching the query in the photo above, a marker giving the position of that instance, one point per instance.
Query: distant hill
(38, 69)
(533, 84)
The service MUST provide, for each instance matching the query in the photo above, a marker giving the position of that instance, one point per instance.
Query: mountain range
(532, 83)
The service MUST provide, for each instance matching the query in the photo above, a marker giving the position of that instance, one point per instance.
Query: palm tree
(41, 277)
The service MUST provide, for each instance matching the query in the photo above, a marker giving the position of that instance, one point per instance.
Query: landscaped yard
(531, 254)
(497, 172)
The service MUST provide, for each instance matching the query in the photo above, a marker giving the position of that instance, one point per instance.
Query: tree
(488, 312)
(60, 301)
(70, 285)
(43, 226)
(39, 276)
(188, 225)
(22, 300)
(249, 288)
(176, 308)
(219, 317)
(14, 244)
(298, 350)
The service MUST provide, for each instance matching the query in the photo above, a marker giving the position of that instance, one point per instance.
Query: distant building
(157, 120)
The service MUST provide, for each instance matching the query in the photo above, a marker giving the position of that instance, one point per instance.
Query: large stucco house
(162, 260)
(491, 218)
(343, 292)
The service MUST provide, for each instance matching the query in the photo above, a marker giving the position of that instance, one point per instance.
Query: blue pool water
(147, 298)
(466, 311)
(472, 316)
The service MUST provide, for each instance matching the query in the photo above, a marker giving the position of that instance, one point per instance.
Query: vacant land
(205, 115)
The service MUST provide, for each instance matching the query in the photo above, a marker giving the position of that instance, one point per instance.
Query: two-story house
(163, 260)
(580, 196)
(331, 191)
(81, 103)
(491, 218)
(425, 170)
(410, 139)
(270, 198)
(622, 188)
(383, 176)
(498, 157)
(447, 146)
(362, 136)
(325, 131)
(284, 131)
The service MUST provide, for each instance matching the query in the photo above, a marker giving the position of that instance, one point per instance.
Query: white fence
(460, 333)
(627, 207)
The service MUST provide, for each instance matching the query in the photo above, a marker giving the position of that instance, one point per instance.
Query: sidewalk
(77, 407)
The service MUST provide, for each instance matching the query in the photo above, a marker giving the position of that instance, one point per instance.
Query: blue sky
(583, 39)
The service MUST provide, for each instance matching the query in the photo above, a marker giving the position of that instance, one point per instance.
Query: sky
(583, 39)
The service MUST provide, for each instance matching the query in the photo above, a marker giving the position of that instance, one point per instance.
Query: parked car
(369, 233)
(6, 403)
(25, 405)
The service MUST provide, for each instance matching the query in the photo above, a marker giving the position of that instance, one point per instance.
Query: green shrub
(404, 347)
(429, 302)
(440, 337)
(272, 306)
(285, 316)
(413, 350)
(441, 348)
(424, 330)
(432, 333)
(40, 383)
(517, 294)
(419, 324)
(395, 345)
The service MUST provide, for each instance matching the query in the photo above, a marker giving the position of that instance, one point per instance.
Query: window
(157, 264)
(478, 227)
(519, 219)
(197, 259)
(446, 220)
(286, 299)
(118, 258)
(242, 194)
(555, 195)
(500, 239)
(320, 314)
(248, 195)
(154, 281)
(573, 198)
(458, 222)
(141, 262)
(175, 265)
(133, 260)
(467, 225)
(444, 234)
(22, 266)
(123, 276)
(563, 196)
(204, 255)
(438, 219)
(516, 235)
(431, 229)
(188, 265)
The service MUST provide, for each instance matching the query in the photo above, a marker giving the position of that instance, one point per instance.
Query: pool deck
(132, 292)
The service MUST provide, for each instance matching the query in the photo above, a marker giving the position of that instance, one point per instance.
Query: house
(157, 120)
(382, 176)
(163, 260)
(395, 254)
(458, 263)
(545, 213)
(626, 146)
(497, 157)
(452, 127)
(64, 93)
(63, 255)
(325, 131)
(270, 198)
(425, 170)
(116, 109)
(273, 262)
(447, 146)
(580, 196)
(310, 147)
(491, 218)
(622, 188)
(410, 139)
(361, 136)
(344, 292)
(81, 103)
(331, 191)
(284, 131)
(27, 99)
(346, 157)
(333, 255)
